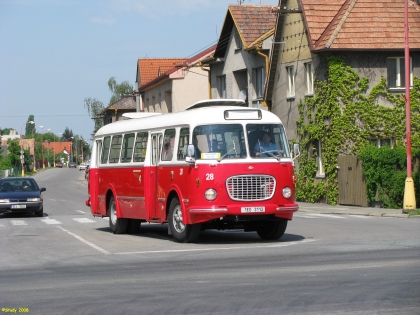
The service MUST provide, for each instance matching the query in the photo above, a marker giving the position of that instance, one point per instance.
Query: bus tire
(182, 233)
(117, 225)
(273, 230)
(133, 226)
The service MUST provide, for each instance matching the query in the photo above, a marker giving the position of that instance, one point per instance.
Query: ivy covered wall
(343, 116)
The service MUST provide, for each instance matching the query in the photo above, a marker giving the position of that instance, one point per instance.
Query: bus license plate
(252, 209)
(18, 206)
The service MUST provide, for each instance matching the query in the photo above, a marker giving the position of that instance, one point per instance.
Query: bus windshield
(267, 140)
(228, 141)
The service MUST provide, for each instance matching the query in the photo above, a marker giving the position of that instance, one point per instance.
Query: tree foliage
(118, 90)
(95, 109)
(30, 128)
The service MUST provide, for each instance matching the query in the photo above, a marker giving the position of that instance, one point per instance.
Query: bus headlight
(287, 192)
(210, 194)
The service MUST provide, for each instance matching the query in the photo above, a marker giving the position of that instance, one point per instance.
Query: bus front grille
(251, 187)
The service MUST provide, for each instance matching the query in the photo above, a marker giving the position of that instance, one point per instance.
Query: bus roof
(217, 102)
(198, 116)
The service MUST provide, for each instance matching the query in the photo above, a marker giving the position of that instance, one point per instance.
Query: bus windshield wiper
(234, 149)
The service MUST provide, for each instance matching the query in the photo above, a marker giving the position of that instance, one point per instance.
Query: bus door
(156, 148)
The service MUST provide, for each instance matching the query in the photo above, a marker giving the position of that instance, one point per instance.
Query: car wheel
(273, 230)
(117, 225)
(40, 213)
(183, 233)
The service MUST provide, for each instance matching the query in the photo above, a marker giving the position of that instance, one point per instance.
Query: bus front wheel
(117, 225)
(183, 233)
(273, 230)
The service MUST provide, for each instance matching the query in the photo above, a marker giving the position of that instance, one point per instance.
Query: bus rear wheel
(273, 230)
(183, 233)
(117, 225)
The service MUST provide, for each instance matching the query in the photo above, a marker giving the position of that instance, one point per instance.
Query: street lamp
(22, 156)
(33, 130)
(42, 143)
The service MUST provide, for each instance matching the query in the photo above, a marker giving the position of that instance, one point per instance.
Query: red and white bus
(204, 168)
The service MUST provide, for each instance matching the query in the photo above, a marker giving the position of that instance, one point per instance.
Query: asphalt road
(69, 262)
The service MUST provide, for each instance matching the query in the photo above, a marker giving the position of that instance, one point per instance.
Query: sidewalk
(322, 208)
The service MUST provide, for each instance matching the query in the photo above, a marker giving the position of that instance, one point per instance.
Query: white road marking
(321, 215)
(18, 222)
(84, 220)
(80, 211)
(361, 216)
(47, 220)
(218, 248)
(85, 241)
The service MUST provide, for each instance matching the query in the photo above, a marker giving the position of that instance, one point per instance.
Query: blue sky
(56, 53)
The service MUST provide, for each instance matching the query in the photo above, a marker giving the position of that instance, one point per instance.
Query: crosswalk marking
(84, 220)
(18, 222)
(50, 221)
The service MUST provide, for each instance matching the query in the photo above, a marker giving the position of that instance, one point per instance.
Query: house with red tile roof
(239, 65)
(368, 36)
(170, 85)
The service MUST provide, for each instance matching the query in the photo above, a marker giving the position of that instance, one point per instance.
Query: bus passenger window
(105, 150)
(114, 154)
(140, 147)
(127, 148)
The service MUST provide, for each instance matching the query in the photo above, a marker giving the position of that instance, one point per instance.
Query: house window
(320, 172)
(259, 82)
(291, 82)
(309, 78)
(382, 143)
(221, 86)
(396, 73)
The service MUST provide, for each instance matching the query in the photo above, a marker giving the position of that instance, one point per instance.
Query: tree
(67, 134)
(95, 109)
(5, 131)
(30, 127)
(118, 90)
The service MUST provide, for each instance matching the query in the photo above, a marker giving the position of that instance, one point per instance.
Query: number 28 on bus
(216, 165)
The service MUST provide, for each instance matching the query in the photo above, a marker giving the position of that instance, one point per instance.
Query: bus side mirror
(296, 150)
(189, 158)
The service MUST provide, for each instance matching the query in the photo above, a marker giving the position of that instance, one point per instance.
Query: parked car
(82, 166)
(21, 195)
(59, 164)
(72, 164)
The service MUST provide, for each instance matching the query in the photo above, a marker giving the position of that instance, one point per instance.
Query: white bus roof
(137, 115)
(198, 116)
(217, 102)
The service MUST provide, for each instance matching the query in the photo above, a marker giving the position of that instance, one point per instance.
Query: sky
(56, 53)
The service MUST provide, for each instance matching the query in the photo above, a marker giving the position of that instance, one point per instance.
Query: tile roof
(187, 62)
(253, 22)
(360, 24)
(124, 103)
(150, 68)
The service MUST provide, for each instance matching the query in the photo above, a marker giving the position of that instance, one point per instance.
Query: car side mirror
(43, 189)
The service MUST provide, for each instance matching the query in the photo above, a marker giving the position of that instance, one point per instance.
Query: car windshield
(18, 185)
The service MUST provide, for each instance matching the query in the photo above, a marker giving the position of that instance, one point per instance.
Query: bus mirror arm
(190, 156)
(296, 150)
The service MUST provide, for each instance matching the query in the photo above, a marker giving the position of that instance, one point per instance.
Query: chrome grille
(251, 187)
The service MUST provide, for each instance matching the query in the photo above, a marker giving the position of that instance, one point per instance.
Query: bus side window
(114, 154)
(183, 143)
(127, 148)
(168, 145)
(105, 150)
(140, 147)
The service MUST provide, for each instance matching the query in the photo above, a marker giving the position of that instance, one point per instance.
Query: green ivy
(342, 116)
